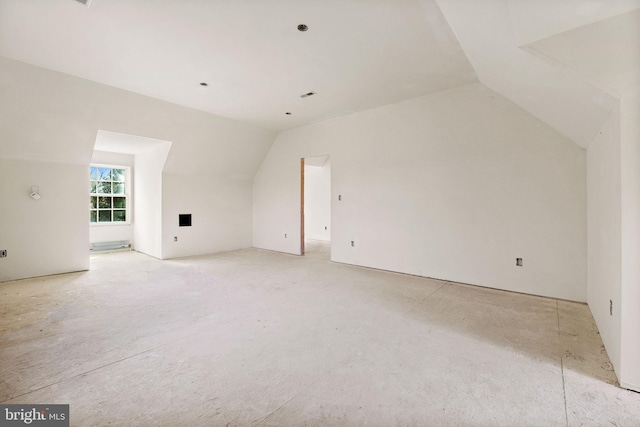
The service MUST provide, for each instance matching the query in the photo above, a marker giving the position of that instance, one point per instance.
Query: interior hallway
(253, 337)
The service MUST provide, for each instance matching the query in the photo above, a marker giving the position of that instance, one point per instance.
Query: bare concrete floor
(255, 338)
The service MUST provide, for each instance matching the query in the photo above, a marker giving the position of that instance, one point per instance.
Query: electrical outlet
(285, 235)
(353, 243)
(175, 238)
(3, 253)
(325, 227)
(519, 262)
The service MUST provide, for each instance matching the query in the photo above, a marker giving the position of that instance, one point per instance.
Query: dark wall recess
(185, 220)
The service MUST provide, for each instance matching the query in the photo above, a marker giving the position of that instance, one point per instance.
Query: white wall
(317, 201)
(147, 204)
(454, 185)
(53, 117)
(630, 221)
(112, 232)
(220, 209)
(49, 235)
(614, 237)
(604, 231)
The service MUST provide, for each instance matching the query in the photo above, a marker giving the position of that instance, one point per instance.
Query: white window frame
(126, 195)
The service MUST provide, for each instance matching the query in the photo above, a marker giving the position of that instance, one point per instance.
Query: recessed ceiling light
(288, 113)
(204, 84)
(302, 28)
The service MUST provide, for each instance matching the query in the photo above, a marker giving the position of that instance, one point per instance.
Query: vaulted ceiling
(510, 44)
(551, 57)
(354, 55)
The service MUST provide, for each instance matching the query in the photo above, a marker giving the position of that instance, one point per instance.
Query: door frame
(302, 206)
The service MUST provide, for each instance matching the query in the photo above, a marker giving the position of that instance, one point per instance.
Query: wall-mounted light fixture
(35, 192)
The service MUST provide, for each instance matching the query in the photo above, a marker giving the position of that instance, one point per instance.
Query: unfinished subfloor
(259, 338)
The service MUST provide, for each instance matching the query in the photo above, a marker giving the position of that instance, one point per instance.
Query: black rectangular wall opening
(184, 220)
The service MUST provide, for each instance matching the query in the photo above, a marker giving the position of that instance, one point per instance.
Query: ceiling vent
(308, 94)
(84, 2)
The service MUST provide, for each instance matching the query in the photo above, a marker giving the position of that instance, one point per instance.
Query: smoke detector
(84, 2)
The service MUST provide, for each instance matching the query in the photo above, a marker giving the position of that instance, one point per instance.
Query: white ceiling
(605, 53)
(538, 19)
(564, 61)
(356, 54)
(124, 143)
(492, 33)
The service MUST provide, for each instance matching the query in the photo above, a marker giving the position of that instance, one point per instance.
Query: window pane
(104, 202)
(119, 216)
(119, 202)
(104, 174)
(104, 184)
(117, 175)
(104, 216)
(104, 188)
(118, 188)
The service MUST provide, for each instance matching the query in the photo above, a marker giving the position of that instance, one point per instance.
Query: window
(108, 194)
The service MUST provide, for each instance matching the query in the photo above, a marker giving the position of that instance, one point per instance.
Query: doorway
(315, 204)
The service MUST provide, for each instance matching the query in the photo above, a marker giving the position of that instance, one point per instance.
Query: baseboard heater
(110, 246)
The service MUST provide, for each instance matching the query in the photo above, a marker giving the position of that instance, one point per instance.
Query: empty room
(320, 213)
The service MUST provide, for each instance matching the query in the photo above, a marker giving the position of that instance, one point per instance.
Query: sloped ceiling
(605, 53)
(551, 84)
(538, 19)
(564, 61)
(355, 54)
(123, 143)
